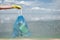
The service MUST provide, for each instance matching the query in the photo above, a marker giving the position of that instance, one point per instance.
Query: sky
(33, 10)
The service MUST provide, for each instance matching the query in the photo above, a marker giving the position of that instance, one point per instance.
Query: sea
(38, 29)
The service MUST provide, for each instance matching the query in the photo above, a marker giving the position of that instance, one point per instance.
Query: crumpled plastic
(20, 27)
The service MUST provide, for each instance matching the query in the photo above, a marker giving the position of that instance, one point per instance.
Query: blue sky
(48, 1)
(37, 9)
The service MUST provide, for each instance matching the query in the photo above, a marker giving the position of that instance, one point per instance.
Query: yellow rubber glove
(16, 6)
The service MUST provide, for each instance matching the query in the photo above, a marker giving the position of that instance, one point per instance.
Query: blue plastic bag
(20, 27)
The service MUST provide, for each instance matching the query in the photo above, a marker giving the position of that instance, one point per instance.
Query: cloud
(45, 18)
(36, 8)
(57, 4)
(8, 0)
(28, 3)
(25, 3)
(44, 9)
(39, 8)
(35, 19)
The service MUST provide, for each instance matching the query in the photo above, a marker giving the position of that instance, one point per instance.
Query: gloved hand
(16, 6)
